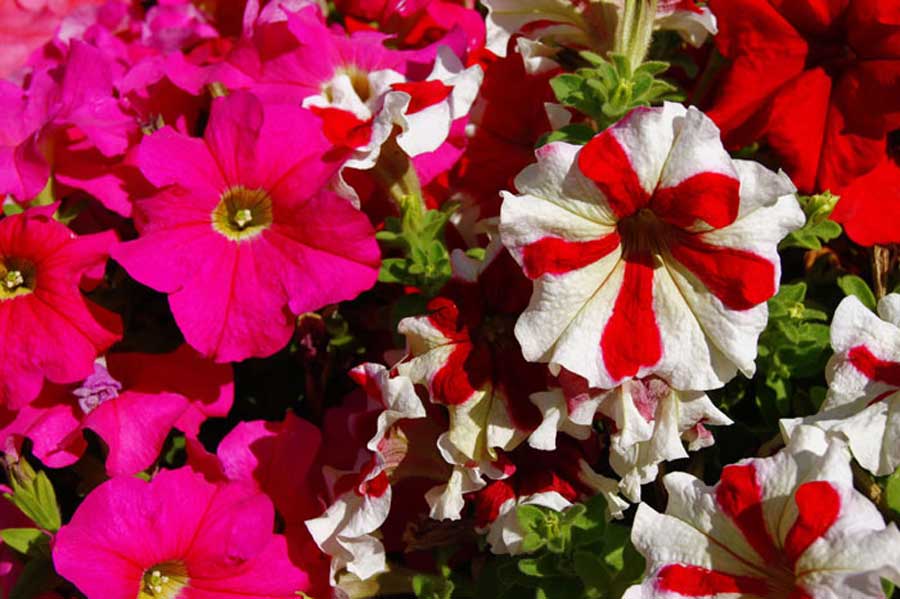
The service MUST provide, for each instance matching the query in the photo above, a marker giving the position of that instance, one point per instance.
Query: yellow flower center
(242, 213)
(163, 581)
(17, 278)
(359, 81)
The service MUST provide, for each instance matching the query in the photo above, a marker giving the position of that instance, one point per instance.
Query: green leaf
(25, 540)
(530, 517)
(432, 587)
(577, 133)
(393, 270)
(33, 494)
(854, 285)
(11, 208)
(568, 88)
(892, 491)
(591, 569)
(818, 227)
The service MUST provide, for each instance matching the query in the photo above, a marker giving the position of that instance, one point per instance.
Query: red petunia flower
(820, 84)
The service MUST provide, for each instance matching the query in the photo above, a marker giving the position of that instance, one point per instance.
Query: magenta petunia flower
(132, 403)
(178, 536)
(242, 235)
(51, 330)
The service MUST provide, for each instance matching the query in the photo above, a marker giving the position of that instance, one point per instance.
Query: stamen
(243, 217)
(14, 278)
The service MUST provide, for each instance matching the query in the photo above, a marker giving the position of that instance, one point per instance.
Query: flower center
(242, 213)
(163, 581)
(97, 389)
(832, 54)
(642, 233)
(17, 277)
(359, 80)
(783, 581)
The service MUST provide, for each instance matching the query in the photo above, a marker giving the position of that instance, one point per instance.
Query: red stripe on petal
(740, 279)
(631, 338)
(799, 593)
(819, 505)
(604, 161)
(713, 198)
(370, 385)
(883, 371)
(375, 487)
(423, 93)
(555, 256)
(740, 498)
(694, 581)
(460, 376)
(343, 128)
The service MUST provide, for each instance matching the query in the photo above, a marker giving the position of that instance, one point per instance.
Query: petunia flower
(581, 25)
(242, 235)
(553, 479)
(465, 354)
(52, 330)
(788, 526)
(817, 83)
(178, 536)
(361, 89)
(131, 401)
(360, 491)
(652, 252)
(28, 25)
(869, 206)
(649, 423)
(863, 401)
(262, 453)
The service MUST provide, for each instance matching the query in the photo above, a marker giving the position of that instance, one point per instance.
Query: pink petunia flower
(26, 25)
(863, 402)
(788, 526)
(131, 403)
(242, 235)
(361, 89)
(177, 536)
(652, 252)
(52, 331)
(281, 460)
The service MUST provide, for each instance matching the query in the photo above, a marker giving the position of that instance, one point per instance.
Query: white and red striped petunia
(652, 252)
(786, 527)
(465, 353)
(584, 25)
(863, 402)
(648, 422)
(361, 496)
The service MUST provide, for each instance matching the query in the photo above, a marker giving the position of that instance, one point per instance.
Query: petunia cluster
(448, 298)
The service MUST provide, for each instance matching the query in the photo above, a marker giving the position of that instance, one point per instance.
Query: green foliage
(425, 263)
(818, 227)
(27, 541)
(33, 494)
(426, 586)
(609, 88)
(854, 285)
(795, 345)
(572, 554)
(892, 492)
